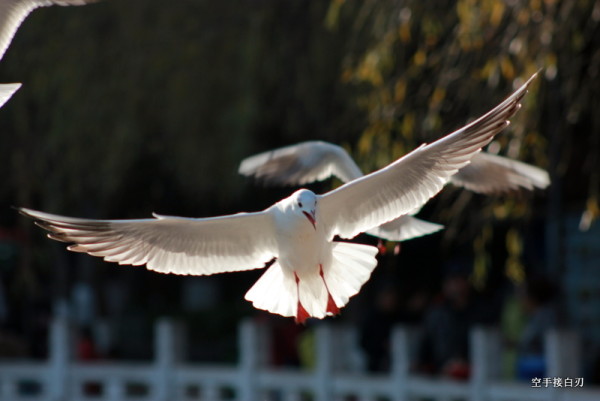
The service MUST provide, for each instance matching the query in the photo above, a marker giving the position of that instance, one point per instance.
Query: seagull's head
(305, 202)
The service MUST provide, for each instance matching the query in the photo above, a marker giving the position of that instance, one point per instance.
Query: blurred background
(141, 106)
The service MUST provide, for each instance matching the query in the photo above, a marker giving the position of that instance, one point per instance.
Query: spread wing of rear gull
(490, 174)
(13, 12)
(311, 161)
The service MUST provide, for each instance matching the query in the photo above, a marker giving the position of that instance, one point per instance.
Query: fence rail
(167, 378)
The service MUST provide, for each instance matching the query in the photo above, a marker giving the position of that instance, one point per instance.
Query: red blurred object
(381, 247)
(458, 369)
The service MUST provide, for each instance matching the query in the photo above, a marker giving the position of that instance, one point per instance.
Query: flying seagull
(6, 91)
(311, 275)
(13, 12)
(317, 160)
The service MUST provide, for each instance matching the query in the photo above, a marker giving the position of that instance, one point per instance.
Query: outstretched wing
(6, 91)
(300, 164)
(489, 174)
(170, 244)
(410, 181)
(13, 12)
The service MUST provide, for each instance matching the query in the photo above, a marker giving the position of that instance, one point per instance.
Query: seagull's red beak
(311, 218)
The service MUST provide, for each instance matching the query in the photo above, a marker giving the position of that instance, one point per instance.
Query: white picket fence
(167, 378)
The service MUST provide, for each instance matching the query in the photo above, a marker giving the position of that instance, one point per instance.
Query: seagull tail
(317, 295)
(351, 266)
(274, 291)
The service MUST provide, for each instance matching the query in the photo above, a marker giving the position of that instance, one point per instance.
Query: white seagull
(13, 12)
(6, 91)
(317, 160)
(312, 275)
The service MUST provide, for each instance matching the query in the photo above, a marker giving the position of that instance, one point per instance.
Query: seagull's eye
(300, 204)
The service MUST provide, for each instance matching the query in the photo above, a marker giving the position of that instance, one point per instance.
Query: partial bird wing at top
(301, 164)
(13, 12)
(6, 91)
(489, 174)
(410, 181)
(167, 244)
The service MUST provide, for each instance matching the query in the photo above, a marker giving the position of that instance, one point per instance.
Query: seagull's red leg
(301, 313)
(381, 247)
(397, 249)
(331, 306)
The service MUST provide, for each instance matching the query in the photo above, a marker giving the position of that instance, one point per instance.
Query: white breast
(301, 247)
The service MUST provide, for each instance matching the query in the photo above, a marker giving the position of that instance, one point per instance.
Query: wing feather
(404, 228)
(6, 91)
(489, 174)
(167, 244)
(410, 181)
(13, 12)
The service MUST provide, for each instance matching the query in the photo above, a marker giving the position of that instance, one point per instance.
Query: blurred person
(512, 322)
(83, 303)
(87, 352)
(86, 345)
(414, 307)
(444, 347)
(285, 342)
(376, 328)
(307, 345)
(12, 346)
(540, 311)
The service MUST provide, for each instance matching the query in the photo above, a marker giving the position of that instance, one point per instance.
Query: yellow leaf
(514, 270)
(347, 75)
(497, 13)
(333, 14)
(592, 206)
(400, 91)
(369, 69)
(514, 243)
(523, 17)
(507, 68)
(404, 33)
(480, 270)
(437, 97)
(501, 211)
(365, 142)
(398, 150)
(408, 125)
(419, 58)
